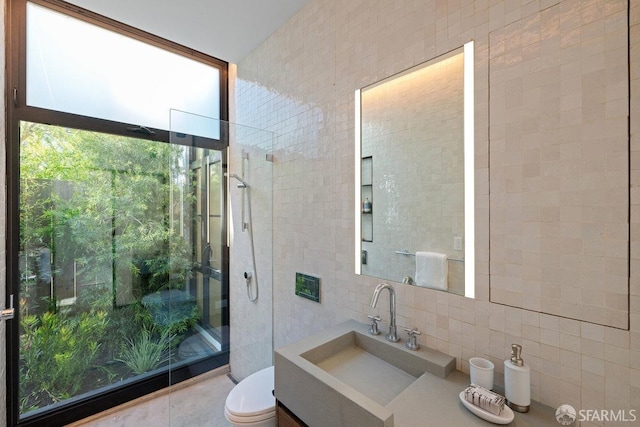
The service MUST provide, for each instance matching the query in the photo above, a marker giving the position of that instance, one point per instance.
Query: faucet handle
(412, 343)
(373, 329)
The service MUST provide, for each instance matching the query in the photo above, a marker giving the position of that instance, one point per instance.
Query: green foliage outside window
(100, 207)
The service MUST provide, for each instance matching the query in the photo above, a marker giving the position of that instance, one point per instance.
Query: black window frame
(16, 111)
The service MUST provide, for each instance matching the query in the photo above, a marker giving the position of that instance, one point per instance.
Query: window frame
(16, 111)
(16, 70)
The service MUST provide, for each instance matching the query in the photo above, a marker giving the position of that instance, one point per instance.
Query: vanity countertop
(433, 401)
(320, 399)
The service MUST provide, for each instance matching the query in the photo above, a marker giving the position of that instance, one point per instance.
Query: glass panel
(251, 251)
(113, 273)
(183, 124)
(80, 68)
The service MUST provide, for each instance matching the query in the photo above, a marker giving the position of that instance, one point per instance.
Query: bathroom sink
(343, 376)
(374, 368)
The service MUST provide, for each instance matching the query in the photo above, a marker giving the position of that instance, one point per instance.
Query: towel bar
(407, 253)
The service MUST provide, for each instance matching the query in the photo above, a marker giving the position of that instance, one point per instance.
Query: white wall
(300, 84)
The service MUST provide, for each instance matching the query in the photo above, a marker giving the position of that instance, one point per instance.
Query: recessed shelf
(366, 192)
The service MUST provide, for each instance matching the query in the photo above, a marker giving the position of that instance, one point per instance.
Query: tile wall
(300, 84)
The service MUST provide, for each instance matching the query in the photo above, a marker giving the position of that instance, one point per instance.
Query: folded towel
(432, 270)
(485, 399)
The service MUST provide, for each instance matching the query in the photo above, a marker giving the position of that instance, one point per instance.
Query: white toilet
(251, 402)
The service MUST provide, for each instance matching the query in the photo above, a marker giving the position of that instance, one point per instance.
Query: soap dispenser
(517, 381)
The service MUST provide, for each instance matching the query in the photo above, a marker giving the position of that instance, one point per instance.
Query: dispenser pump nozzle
(516, 353)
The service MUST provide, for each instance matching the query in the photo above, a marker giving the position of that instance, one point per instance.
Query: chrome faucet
(392, 335)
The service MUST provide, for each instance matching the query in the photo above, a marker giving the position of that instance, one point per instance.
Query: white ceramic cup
(481, 371)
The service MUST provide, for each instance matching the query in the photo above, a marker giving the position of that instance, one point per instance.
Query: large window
(78, 67)
(117, 249)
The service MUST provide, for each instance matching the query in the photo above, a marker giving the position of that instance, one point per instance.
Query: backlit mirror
(414, 175)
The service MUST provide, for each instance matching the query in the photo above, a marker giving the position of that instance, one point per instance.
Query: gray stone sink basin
(345, 377)
(375, 369)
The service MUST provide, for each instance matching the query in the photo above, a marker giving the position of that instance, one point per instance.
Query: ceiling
(226, 29)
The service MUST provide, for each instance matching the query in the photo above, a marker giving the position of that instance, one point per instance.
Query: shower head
(242, 184)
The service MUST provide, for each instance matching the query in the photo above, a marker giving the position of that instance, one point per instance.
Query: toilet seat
(252, 399)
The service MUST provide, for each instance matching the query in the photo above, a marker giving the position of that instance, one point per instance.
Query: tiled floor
(197, 402)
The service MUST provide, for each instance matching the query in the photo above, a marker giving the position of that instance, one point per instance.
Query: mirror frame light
(470, 171)
(469, 176)
(358, 179)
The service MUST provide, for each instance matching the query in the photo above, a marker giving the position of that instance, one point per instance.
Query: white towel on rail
(432, 270)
